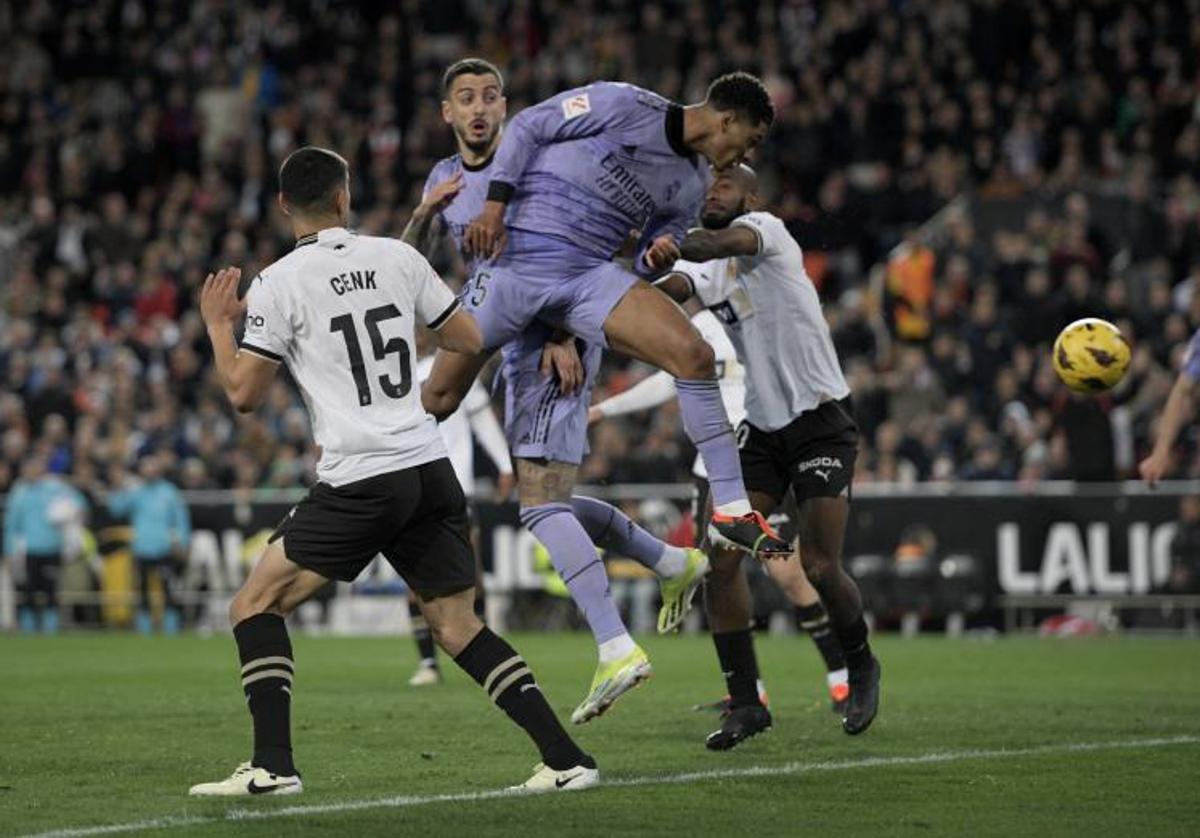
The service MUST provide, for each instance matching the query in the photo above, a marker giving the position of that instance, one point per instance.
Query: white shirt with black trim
(772, 314)
(340, 312)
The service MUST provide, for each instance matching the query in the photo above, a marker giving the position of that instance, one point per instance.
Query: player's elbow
(244, 401)
(439, 402)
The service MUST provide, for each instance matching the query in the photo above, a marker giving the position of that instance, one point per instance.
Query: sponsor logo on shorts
(823, 467)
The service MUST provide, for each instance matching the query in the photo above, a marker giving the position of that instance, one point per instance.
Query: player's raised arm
(705, 245)
(1174, 415)
(435, 199)
(245, 375)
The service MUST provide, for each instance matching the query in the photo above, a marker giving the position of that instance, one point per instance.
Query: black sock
(267, 668)
(422, 635)
(853, 639)
(507, 680)
(735, 651)
(814, 620)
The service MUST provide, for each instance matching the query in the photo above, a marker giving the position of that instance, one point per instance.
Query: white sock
(838, 676)
(735, 509)
(672, 563)
(616, 648)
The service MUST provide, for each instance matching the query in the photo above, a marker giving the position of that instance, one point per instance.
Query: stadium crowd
(139, 142)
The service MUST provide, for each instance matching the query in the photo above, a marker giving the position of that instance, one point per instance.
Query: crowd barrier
(998, 553)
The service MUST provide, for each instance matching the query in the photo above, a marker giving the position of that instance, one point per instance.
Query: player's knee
(697, 360)
(819, 567)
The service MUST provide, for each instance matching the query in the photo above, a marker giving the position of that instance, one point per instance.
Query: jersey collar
(478, 167)
(326, 235)
(674, 128)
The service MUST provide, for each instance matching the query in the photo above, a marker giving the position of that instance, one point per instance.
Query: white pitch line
(791, 768)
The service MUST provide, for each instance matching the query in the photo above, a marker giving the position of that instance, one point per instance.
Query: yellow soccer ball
(1091, 355)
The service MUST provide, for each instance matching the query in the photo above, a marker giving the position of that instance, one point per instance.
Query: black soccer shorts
(416, 518)
(814, 456)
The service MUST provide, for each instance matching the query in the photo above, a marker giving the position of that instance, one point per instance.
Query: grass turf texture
(108, 729)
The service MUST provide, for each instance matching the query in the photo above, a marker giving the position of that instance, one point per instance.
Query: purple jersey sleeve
(676, 223)
(1191, 358)
(571, 115)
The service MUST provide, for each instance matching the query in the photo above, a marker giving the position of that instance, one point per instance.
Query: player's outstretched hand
(1153, 468)
(219, 301)
(560, 358)
(486, 236)
(662, 253)
(442, 194)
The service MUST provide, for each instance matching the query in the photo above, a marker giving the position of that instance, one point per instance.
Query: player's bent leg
(545, 492)
(680, 570)
(822, 531)
(510, 684)
(275, 587)
(449, 381)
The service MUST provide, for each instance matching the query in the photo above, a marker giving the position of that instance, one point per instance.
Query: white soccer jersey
(340, 311)
(473, 420)
(773, 317)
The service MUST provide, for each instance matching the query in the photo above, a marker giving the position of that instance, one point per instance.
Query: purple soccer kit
(540, 421)
(579, 171)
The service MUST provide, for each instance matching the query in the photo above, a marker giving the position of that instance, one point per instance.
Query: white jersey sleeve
(269, 331)
(771, 231)
(435, 302)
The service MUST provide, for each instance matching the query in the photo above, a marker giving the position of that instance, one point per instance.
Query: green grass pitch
(1017, 736)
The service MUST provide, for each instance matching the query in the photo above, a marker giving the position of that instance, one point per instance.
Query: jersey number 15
(345, 324)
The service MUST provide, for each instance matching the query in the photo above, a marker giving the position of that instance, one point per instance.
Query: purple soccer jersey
(539, 421)
(589, 165)
(580, 171)
(456, 216)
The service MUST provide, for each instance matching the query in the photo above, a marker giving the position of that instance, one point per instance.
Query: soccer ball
(1091, 355)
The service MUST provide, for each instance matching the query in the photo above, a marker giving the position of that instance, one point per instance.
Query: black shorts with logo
(814, 455)
(415, 517)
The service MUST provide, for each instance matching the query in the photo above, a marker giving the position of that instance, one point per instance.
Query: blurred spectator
(161, 532)
(138, 145)
(42, 519)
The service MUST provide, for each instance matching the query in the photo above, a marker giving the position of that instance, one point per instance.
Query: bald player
(799, 433)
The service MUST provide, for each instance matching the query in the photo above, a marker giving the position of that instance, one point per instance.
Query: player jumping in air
(339, 311)
(546, 415)
(798, 433)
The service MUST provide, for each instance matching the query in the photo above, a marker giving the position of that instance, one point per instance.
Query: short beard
(719, 221)
(478, 147)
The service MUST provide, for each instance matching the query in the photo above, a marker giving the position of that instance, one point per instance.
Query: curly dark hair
(470, 66)
(743, 93)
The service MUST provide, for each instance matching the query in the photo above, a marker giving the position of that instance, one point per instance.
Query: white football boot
(546, 778)
(249, 780)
